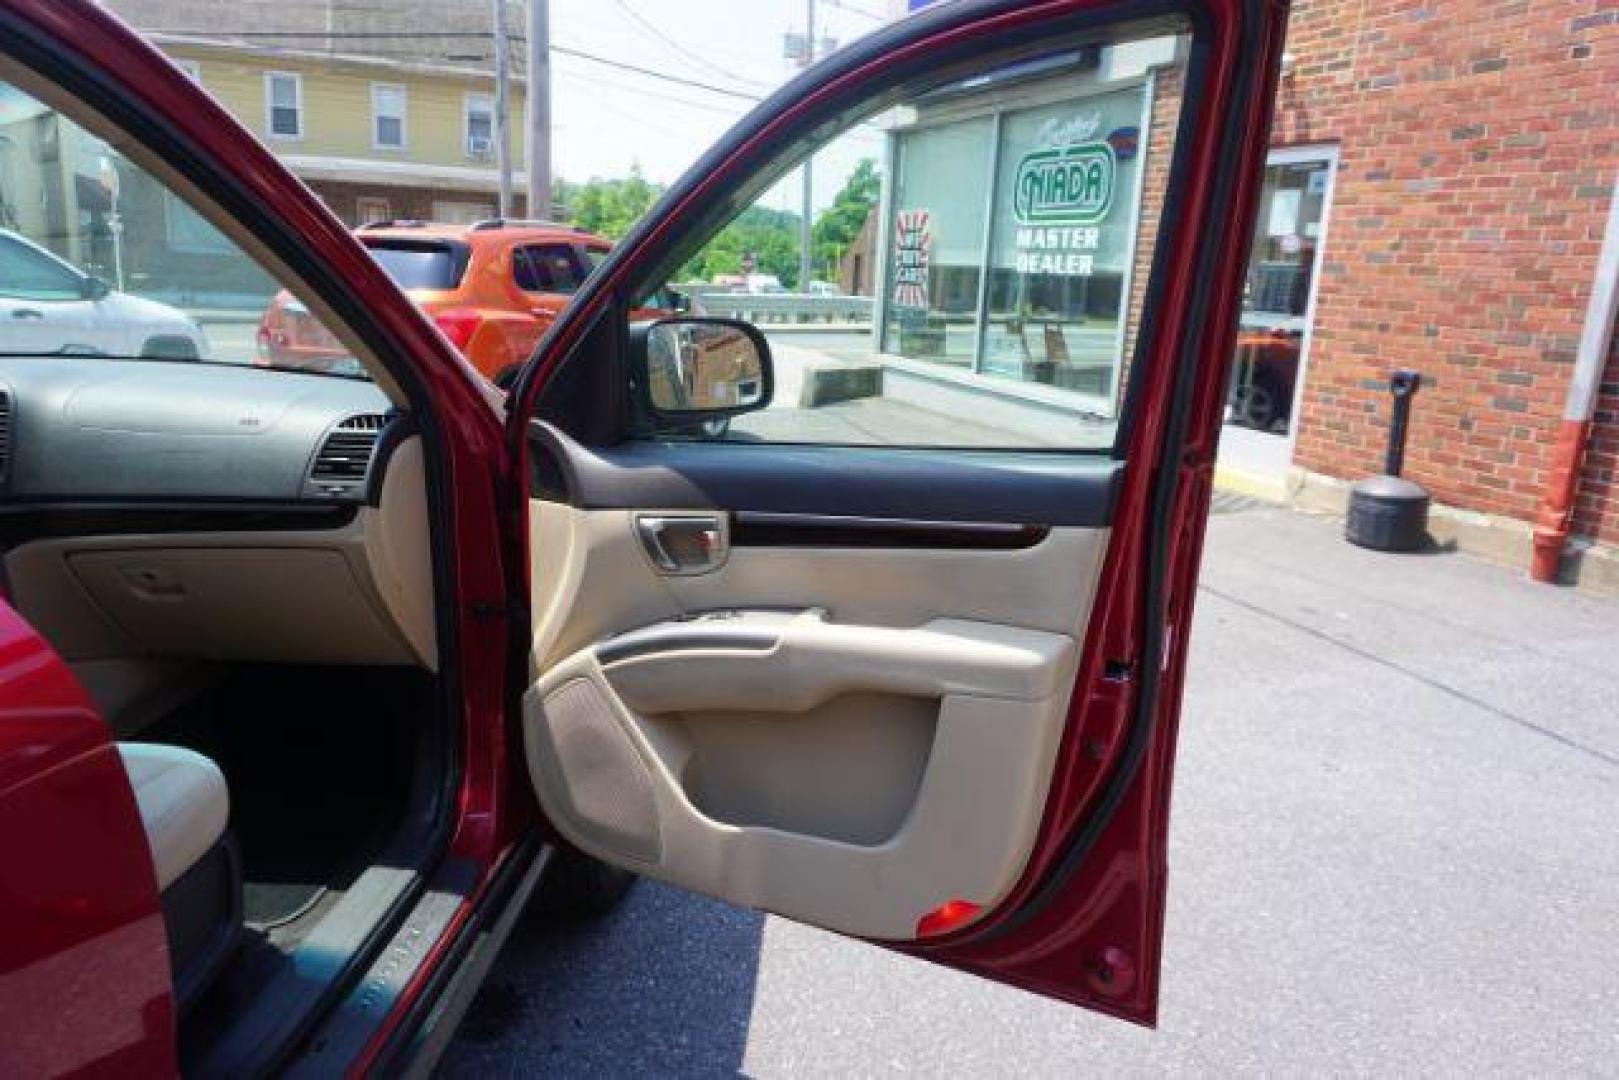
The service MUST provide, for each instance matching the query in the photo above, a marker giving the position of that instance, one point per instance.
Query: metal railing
(786, 307)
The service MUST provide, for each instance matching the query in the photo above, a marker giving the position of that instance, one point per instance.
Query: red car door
(84, 963)
(913, 692)
(856, 668)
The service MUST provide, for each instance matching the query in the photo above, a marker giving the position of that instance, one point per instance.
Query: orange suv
(493, 288)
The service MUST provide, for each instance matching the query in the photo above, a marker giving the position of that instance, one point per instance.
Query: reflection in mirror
(696, 365)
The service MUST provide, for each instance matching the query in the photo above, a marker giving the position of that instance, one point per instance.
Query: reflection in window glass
(1276, 294)
(937, 242)
(1067, 183)
(480, 125)
(985, 247)
(420, 264)
(100, 258)
(388, 109)
(285, 93)
(547, 268)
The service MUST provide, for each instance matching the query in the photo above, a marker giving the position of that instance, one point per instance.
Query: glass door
(1279, 291)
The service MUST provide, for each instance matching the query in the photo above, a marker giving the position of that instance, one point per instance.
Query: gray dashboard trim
(88, 428)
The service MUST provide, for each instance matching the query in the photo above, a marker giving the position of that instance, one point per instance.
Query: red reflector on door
(948, 916)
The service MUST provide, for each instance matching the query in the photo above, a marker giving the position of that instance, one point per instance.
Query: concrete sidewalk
(1393, 849)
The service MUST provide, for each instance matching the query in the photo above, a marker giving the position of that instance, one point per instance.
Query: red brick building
(1474, 149)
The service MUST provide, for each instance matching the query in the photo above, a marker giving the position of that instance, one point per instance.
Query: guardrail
(786, 307)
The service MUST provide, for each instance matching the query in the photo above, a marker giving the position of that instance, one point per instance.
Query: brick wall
(1159, 147)
(1478, 142)
(403, 202)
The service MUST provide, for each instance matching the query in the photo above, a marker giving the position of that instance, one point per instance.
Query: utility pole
(806, 254)
(503, 142)
(538, 143)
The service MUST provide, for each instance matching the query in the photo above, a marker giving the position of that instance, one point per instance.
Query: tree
(839, 224)
(770, 236)
(609, 208)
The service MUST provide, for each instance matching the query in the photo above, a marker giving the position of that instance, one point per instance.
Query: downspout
(1557, 504)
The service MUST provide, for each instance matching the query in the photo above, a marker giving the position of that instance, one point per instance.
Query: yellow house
(375, 138)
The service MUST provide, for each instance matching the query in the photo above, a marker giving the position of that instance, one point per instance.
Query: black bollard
(1404, 386)
(1389, 513)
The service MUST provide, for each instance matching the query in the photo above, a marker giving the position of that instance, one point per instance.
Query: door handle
(683, 544)
(27, 313)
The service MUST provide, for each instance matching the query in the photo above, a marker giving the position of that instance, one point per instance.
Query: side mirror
(696, 369)
(93, 288)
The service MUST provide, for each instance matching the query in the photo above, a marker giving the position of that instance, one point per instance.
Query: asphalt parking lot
(1393, 849)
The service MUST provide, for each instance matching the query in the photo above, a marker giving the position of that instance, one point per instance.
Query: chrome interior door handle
(684, 543)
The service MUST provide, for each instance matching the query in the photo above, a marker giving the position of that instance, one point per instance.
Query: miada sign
(1070, 185)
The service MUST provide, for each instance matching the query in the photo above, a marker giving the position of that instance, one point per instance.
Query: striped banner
(913, 244)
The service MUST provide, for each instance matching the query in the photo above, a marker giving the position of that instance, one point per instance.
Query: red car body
(1084, 923)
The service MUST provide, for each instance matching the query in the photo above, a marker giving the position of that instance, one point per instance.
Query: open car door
(888, 636)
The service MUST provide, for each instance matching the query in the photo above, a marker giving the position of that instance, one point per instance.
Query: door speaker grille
(598, 777)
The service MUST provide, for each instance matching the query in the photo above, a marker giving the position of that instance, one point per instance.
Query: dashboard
(159, 518)
(96, 429)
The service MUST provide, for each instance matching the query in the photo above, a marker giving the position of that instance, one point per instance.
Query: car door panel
(842, 745)
(883, 484)
(855, 637)
(694, 725)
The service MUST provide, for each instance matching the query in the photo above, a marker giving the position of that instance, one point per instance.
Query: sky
(607, 120)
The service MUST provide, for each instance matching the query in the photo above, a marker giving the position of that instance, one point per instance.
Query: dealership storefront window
(1014, 228)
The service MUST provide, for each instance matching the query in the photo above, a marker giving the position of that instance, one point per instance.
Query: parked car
(492, 287)
(313, 686)
(48, 305)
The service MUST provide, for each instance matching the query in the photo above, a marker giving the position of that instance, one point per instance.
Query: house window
(284, 101)
(480, 125)
(369, 208)
(388, 116)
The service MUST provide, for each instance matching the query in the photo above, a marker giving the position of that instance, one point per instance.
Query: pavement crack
(1411, 673)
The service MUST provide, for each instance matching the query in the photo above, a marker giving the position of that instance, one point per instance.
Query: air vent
(5, 433)
(345, 456)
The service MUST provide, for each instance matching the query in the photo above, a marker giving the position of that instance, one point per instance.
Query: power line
(644, 91)
(563, 50)
(844, 5)
(579, 54)
(677, 47)
(405, 35)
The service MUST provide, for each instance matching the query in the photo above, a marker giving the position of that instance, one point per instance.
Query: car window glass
(29, 274)
(976, 265)
(418, 265)
(80, 221)
(547, 268)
